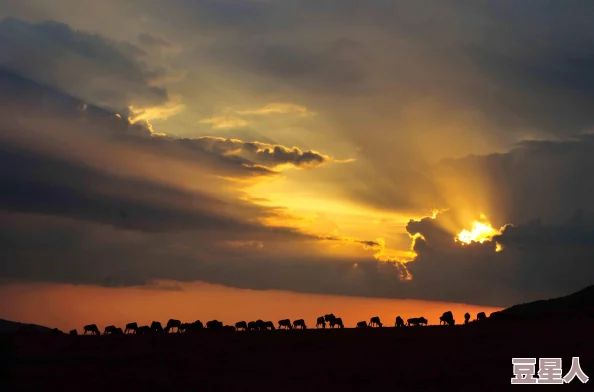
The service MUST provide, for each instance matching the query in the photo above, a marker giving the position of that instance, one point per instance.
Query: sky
(436, 151)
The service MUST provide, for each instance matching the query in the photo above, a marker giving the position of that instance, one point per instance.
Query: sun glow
(480, 232)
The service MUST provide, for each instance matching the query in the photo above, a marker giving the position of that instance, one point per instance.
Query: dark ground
(462, 358)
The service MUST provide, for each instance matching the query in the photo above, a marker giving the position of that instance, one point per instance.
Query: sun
(481, 231)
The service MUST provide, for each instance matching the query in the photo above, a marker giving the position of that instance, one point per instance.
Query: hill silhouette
(7, 326)
(580, 303)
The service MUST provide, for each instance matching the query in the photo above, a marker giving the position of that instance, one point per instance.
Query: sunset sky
(205, 158)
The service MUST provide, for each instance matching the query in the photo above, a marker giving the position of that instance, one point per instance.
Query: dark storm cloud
(51, 186)
(96, 69)
(56, 249)
(537, 261)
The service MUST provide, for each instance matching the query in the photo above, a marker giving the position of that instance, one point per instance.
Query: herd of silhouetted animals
(328, 320)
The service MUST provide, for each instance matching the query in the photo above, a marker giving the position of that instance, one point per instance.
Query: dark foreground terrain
(476, 357)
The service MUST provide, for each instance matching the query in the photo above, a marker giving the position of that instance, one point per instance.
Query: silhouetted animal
(269, 325)
(321, 321)
(261, 325)
(241, 325)
(56, 331)
(466, 317)
(145, 329)
(299, 323)
(399, 322)
(229, 328)
(214, 324)
(447, 318)
(172, 324)
(156, 326)
(131, 327)
(196, 325)
(118, 331)
(481, 316)
(191, 327)
(109, 329)
(336, 321)
(252, 326)
(285, 323)
(375, 321)
(416, 321)
(92, 329)
(73, 332)
(362, 324)
(329, 317)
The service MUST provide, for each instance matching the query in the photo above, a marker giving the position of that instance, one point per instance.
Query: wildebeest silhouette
(447, 318)
(285, 323)
(196, 325)
(336, 321)
(466, 317)
(214, 324)
(131, 327)
(191, 327)
(481, 316)
(109, 330)
(252, 326)
(269, 325)
(229, 328)
(172, 323)
(56, 331)
(241, 325)
(362, 324)
(73, 332)
(92, 329)
(143, 330)
(399, 322)
(118, 331)
(329, 317)
(375, 321)
(299, 323)
(416, 321)
(156, 326)
(261, 325)
(321, 321)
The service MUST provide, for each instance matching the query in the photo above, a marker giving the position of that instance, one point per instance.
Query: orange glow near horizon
(71, 307)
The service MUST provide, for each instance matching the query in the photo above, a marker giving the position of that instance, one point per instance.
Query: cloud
(153, 41)
(56, 249)
(107, 73)
(96, 166)
(223, 122)
(404, 84)
(537, 261)
(227, 157)
(276, 108)
(264, 154)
